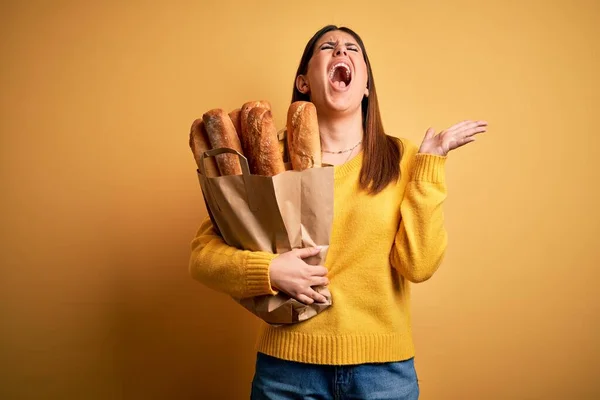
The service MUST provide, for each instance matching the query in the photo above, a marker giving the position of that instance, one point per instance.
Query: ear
(302, 84)
(366, 92)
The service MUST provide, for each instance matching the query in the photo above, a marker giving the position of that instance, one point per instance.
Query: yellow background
(100, 198)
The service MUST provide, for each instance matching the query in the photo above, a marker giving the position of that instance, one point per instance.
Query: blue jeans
(277, 379)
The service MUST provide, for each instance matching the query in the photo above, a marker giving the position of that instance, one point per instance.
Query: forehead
(336, 36)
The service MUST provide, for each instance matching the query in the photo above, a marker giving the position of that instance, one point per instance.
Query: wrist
(433, 152)
(273, 273)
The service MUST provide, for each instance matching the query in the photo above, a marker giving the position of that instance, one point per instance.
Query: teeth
(340, 64)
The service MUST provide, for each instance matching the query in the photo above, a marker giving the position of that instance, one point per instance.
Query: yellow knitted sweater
(379, 244)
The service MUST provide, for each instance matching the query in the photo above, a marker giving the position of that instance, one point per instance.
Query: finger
(466, 125)
(459, 125)
(319, 281)
(307, 252)
(319, 298)
(468, 130)
(319, 270)
(473, 131)
(430, 133)
(462, 126)
(304, 299)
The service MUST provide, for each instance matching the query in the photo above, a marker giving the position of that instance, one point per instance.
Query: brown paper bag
(276, 214)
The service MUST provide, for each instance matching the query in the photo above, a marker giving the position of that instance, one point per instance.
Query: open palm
(452, 138)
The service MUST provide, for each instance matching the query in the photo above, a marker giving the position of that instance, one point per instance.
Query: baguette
(199, 144)
(264, 155)
(245, 110)
(221, 133)
(237, 122)
(304, 141)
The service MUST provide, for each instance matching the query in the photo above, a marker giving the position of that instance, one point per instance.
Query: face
(337, 74)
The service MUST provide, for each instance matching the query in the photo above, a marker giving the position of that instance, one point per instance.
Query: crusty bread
(199, 143)
(304, 141)
(263, 153)
(244, 111)
(237, 122)
(221, 133)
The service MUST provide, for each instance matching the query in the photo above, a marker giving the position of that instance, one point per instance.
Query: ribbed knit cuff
(429, 168)
(258, 282)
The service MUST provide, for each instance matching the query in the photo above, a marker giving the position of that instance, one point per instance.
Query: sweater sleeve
(420, 243)
(239, 273)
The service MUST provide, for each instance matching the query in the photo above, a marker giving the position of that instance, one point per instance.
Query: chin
(343, 104)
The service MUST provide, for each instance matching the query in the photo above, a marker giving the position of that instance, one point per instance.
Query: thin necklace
(351, 150)
(342, 151)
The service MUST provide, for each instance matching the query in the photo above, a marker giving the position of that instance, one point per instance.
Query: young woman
(388, 231)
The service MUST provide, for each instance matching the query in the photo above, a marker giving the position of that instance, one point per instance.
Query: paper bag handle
(221, 150)
(250, 196)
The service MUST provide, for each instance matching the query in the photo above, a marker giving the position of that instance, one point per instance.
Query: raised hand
(452, 138)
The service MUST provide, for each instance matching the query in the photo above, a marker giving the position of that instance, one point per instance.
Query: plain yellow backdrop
(100, 199)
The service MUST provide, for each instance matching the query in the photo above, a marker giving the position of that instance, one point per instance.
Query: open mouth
(340, 75)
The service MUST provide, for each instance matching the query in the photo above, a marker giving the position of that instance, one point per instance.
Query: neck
(340, 132)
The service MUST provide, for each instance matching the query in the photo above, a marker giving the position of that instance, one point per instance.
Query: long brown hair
(382, 153)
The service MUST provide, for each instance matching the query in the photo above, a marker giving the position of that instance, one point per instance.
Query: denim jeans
(277, 379)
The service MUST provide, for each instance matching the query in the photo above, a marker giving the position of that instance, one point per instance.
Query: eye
(327, 47)
(353, 49)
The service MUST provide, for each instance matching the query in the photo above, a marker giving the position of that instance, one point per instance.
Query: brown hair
(382, 153)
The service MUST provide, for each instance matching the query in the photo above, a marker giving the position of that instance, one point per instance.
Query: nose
(340, 51)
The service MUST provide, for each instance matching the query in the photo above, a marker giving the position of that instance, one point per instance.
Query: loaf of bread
(264, 156)
(303, 138)
(237, 122)
(245, 110)
(199, 143)
(222, 133)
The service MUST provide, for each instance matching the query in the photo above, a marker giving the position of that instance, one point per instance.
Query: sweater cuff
(429, 168)
(258, 281)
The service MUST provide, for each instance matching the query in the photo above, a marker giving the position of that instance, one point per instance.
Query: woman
(387, 232)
